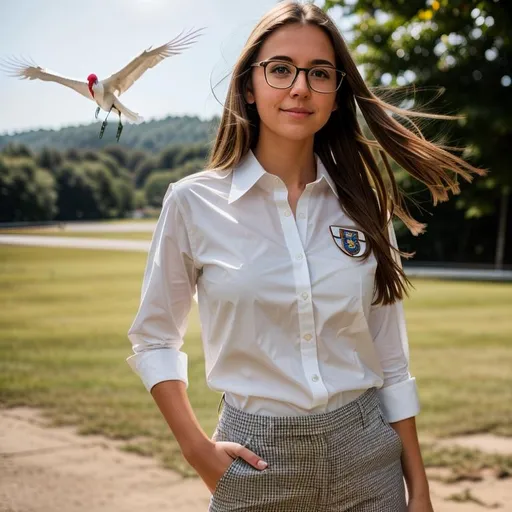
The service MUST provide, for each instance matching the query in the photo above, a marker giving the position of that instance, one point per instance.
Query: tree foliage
(27, 192)
(463, 50)
(80, 184)
(154, 135)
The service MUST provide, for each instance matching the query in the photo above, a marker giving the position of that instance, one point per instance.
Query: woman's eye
(320, 73)
(280, 70)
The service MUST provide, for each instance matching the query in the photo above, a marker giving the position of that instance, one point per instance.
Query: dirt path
(55, 470)
(48, 469)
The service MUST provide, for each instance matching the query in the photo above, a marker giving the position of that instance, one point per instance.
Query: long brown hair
(368, 195)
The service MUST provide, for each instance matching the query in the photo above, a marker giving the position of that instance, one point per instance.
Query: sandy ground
(49, 469)
(55, 470)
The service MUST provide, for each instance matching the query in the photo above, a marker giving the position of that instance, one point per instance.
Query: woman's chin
(288, 130)
(296, 135)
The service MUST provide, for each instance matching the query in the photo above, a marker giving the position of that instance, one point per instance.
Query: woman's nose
(300, 85)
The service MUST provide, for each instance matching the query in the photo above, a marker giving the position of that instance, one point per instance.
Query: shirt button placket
(301, 276)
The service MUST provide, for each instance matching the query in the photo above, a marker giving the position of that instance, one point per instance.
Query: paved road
(76, 242)
(143, 245)
(106, 227)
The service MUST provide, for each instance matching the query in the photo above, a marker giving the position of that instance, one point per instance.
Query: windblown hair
(369, 195)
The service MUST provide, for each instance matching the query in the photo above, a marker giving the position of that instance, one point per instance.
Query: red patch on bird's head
(91, 79)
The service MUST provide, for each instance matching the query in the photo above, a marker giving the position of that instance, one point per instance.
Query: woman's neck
(293, 161)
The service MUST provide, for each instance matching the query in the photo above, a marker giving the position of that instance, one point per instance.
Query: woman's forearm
(412, 462)
(174, 404)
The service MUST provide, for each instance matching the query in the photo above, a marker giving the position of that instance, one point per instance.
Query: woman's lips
(297, 115)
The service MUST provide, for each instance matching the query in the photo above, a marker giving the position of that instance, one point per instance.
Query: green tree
(49, 158)
(464, 49)
(188, 152)
(120, 154)
(14, 149)
(144, 169)
(107, 192)
(140, 199)
(27, 192)
(77, 198)
(156, 186)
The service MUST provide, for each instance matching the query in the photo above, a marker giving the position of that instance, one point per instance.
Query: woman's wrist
(418, 489)
(195, 451)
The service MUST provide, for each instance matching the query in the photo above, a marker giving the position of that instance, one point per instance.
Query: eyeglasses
(282, 75)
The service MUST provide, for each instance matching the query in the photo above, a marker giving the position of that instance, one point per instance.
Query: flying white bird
(103, 92)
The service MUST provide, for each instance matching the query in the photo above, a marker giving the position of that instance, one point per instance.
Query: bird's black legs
(104, 124)
(119, 127)
(97, 112)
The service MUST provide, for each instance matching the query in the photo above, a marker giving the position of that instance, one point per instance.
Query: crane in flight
(105, 93)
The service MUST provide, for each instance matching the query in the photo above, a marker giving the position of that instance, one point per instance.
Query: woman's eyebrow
(289, 59)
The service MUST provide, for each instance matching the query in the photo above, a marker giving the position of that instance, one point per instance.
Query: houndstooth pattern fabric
(345, 460)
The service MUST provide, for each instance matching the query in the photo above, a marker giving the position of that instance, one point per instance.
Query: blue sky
(76, 38)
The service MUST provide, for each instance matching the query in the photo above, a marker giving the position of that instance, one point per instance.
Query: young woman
(287, 236)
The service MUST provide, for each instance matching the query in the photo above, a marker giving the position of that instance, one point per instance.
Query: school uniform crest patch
(351, 241)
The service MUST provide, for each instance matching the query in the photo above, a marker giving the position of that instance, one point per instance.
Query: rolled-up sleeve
(168, 287)
(398, 395)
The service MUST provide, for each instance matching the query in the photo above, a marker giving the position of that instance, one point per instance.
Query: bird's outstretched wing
(122, 80)
(24, 69)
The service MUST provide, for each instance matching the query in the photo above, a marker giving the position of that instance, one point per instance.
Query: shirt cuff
(400, 401)
(156, 365)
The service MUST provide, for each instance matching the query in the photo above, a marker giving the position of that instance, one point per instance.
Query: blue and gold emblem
(350, 241)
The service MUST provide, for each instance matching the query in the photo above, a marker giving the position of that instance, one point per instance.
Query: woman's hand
(420, 504)
(213, 459)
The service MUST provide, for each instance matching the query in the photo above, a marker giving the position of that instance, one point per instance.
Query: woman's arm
(398, 395)
(157, 336)
(412, 462)
(174, 404)
(158, 329)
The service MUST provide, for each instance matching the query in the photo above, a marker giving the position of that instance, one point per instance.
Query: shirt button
(305, 295)
(307, 337)
(299, 256)
(287, 213)
(314, 378)
(302, 215)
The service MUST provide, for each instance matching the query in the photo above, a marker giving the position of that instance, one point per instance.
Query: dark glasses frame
(265, 63)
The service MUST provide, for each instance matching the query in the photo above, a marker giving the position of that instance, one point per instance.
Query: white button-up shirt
(284, 301)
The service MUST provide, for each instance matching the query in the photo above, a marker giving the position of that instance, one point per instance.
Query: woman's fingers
(252, 458)
(213, 463)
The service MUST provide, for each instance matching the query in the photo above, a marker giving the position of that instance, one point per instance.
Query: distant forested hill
(151, 136)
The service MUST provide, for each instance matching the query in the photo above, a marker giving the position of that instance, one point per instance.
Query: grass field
(63, 345)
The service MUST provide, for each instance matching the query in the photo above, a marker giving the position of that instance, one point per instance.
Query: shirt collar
(249, 171)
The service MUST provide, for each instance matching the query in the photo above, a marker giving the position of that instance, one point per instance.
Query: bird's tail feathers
(129, 114)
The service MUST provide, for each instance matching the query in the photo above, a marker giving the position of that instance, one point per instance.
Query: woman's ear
(249, 96)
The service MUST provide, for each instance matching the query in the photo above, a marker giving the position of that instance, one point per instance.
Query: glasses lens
(280, 74)
(324, 79)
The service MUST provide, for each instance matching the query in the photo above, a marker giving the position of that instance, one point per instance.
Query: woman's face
(302, 44)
